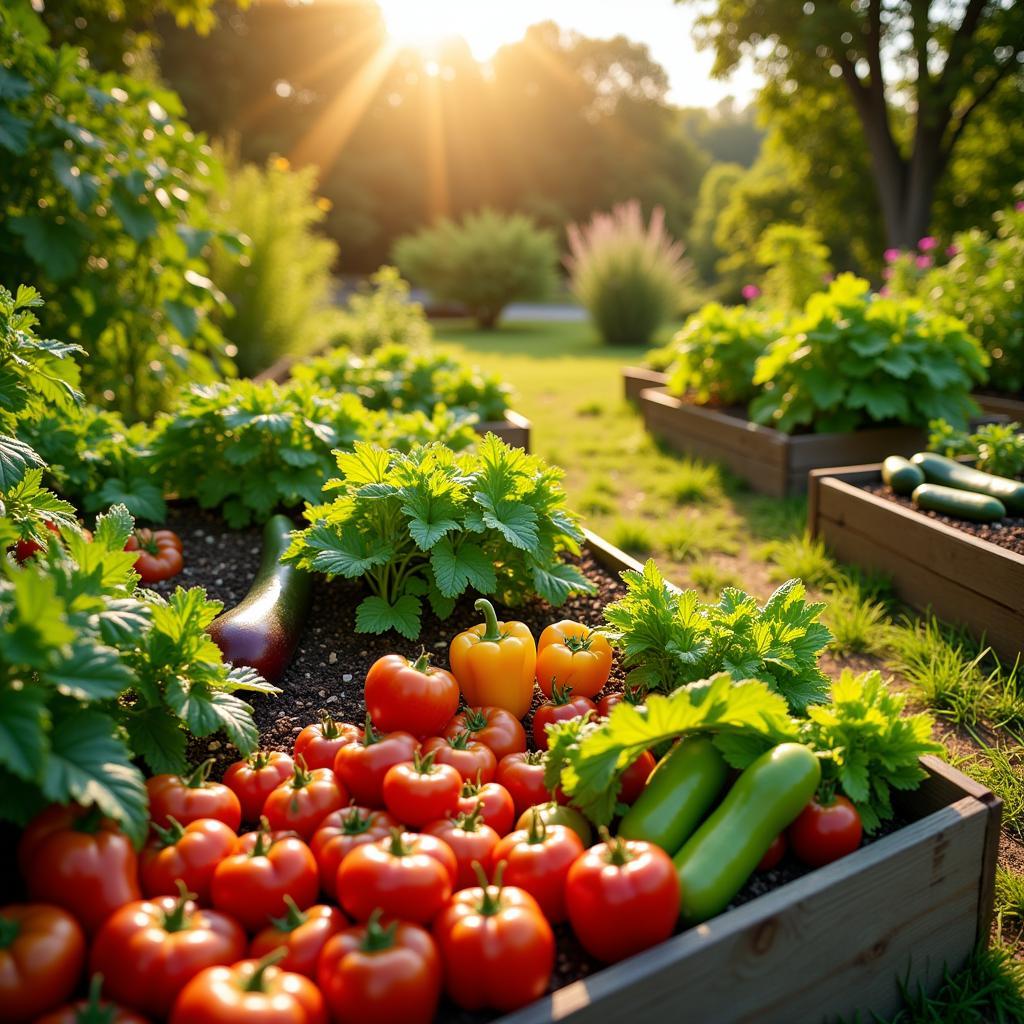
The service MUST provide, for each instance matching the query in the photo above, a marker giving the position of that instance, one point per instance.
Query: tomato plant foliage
(431, 524)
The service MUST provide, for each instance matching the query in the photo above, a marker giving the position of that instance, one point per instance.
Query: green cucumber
(722, 854)
(680, 791)
(901, 474)
(979, 508)
(950, 473)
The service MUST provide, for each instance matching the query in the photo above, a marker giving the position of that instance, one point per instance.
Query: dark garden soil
(331, 662)
(1007, 533)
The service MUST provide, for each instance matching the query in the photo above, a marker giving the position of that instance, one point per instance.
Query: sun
(424, 24)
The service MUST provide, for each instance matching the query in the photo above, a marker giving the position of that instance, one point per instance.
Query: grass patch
(711, 580)
(693, 481)
(632, 535)
(690, 537)
(1009, 895)
(594, 407)
(773, 518)
(1001, 769)
(802, 557)
(859, 622)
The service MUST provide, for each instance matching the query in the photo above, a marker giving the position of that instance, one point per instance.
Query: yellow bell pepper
(494, 663)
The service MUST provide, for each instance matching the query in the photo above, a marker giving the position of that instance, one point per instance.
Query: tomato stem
(422, 663)
(292, 919)
(94, 1011)
(560, 695)
(177, 919)
(423, 764)
(263, 840)
(301, 775)
(474, 719)
(255, 982)
(618, 852)
(355, 822)
(460, 741)
(370, 734)
(329, 727)
(259, 759)
(490, 900)
(470, 821)
(9, 931)
(398, 847)
(172, 834)
(538, 830)
(196, 779)
(491, 634)
(378, 938)
(90, 822)
(579, 643)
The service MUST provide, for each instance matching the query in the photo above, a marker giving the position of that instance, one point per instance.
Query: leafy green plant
(995, 447)
(248, 448)
(872, 746)
(628, 275)
(94, 673)
(381, 313)
(103, 193)
(715, 352)
(397, 377)
(483, 263)
(280, 286)
(431, 523)
(797, 263)
(851, 360)
(668, 638)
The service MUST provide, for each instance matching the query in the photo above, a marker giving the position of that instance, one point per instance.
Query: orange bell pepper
(571, 654)
(494, 662)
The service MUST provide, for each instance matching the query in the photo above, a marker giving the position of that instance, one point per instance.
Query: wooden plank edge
(659, 396)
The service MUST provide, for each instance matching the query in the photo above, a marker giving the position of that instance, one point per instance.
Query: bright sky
(488, 24)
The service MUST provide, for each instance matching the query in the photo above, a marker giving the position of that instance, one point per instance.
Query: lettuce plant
(995, 447)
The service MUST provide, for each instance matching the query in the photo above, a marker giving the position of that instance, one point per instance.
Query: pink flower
(927, 243)
(923, 262)
(1019, 206)
(884, 291)
(891, 255)
(886, 273)
(750, 292)
(952, 250)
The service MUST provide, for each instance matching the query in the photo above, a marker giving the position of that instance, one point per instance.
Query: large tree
(916, 73)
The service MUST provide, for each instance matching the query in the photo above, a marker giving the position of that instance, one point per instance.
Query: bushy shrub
(483, 263)
(432, 524)
(402, 379)
(995, 447)
(103, 192)
(852, 360)
(381, 314)
(627, 274)
(796, 262)
(982, 284)
(713, 356)
(249, 448)
(280, 285)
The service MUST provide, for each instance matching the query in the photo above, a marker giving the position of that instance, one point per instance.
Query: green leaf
(16, 458)
(87, 763)
(455, 569)
(441, 606)
(124, 621)
(349, 555)
(184, 317)
(516, 522)
(206, 711)
(82, 186)
(375, 615)
(157, 736)
(242, 677)
(54, 247)
(12, 85)
(141, 498)
(91, 672)
(14, 132)
(24, 719)
(556, 583)
(136, 218)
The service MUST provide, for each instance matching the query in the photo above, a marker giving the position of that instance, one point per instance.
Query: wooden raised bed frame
(837, 941)
(962, 578)
(1001, 405)
(638, 378)
(770, 461)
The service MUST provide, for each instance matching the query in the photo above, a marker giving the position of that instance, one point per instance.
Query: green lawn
(706, 530)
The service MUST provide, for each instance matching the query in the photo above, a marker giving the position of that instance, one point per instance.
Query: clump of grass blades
(1009, 895)
(802, 557)
(688, 538)
(632, 535)
(694, 481)
(858, 621)
(711, 580)
(774, 518)
(1001, 769)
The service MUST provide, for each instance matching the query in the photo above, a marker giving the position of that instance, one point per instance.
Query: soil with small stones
(331, 662)
(1006, 533)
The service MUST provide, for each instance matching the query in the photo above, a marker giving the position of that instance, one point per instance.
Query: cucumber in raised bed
(901, 474)
(264, 628)
(940, 470)
(979, 508)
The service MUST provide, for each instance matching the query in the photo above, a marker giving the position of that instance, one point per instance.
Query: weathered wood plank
(637, 378)
(1002, 405)
(514, 429)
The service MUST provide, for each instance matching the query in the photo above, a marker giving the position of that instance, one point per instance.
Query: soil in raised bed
(331, 662)
(1006, 533)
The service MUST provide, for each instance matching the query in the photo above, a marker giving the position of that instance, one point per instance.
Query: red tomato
(538, 860)
(471, 758)
(362, 764)
(304, 800)
(497, 949)
(93, 1010)
(470, 839)
(187, 798)
(523, 776)
(252, 883)
(622, 897)
(774, 854)
(407, 876)
(825, 831)
(318, 744)
(561, 707)
(42, 952)
(160, 555)
(386, 975)
(555, 813)
(340, 833)
(81, 861)
(414, 698)
(303, 933)
(634, 778)
(148, 950)
(187, 853)
(251, 990)
(634, 695)
(419, 791)
(26, 548)
(253, 779)
(496, 806)
(571, 655)
(493, 727)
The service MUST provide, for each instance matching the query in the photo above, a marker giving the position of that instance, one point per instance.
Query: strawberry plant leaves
(556, 582)
(90, 672)
(242, 677)
(158, 737)
(206, 711)
(24, 718)
(143, 499)
(457, 568)
(516, 522)
(123, 621)
(16, 457)
(375, 615)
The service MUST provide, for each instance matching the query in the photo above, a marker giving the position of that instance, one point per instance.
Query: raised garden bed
(638, 378)
(911, 902)
(770, 461)
(932, 563)
(1010, 406)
